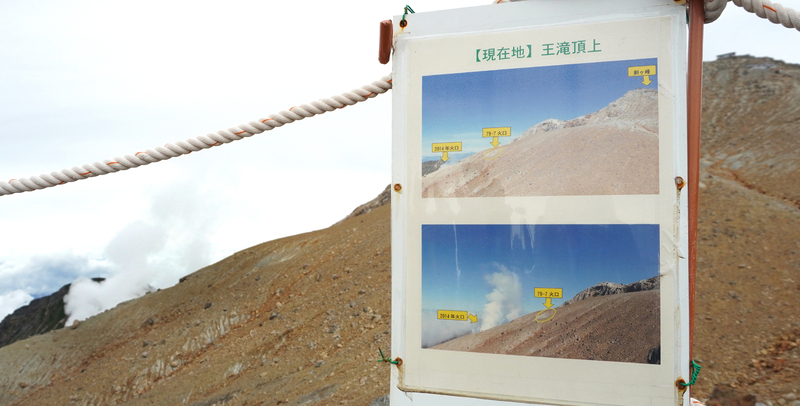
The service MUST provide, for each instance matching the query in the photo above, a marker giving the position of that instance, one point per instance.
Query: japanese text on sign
(548, 292)
(569, 48)
(451, 315)
(497, 132)
(642, 70)
(499, 54)
(446, 147)
(526, 51)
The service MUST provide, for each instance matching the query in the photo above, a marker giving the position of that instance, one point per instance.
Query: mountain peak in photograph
(612, 151)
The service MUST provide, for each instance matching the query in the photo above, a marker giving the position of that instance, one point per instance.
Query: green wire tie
(695, 372)
(383, 358)
(406, 10)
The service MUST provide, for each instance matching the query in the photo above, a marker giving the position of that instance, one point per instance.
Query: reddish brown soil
(622, 327)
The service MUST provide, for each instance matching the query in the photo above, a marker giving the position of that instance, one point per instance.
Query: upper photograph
(566, 130)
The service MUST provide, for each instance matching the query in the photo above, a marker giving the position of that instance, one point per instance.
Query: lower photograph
(585, 291)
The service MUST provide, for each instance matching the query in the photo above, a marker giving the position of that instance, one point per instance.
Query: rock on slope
(611, 151)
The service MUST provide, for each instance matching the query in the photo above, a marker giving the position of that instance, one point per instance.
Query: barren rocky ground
(623, 327)
(748, 270)
(296, 321)
(299, 320)
(611, 151)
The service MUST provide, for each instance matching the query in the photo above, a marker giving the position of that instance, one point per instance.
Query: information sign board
(537, 231)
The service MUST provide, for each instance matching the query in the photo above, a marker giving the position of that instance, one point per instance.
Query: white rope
(774, 12)
(713, 9)
(196, 144)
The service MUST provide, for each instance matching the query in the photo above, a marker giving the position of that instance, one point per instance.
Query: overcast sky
(83, 81)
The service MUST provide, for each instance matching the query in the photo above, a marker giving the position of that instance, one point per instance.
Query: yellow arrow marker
(456, 315)
(549, 294)
(445, 148)
(644, 71)
(548, 303)
(494, 132)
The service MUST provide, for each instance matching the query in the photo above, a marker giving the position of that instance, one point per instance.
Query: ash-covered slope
(623, 327)
(296, 321)
(748, 265)
(751, 123)
(611, 151)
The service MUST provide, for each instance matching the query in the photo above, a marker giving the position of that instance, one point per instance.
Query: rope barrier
(713, 9)
(172, 150)
(773, 12)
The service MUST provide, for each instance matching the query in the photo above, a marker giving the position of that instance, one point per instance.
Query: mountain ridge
(611, 151)
(611, 288)
(628, 107)
(40, 316)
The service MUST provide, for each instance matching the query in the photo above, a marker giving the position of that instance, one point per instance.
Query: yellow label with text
(496, 132)
(446, 146)
(549, 292)
(451, 315)
(642, 70)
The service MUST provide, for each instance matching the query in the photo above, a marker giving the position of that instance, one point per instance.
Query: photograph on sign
(575, 129)
(537, 233)
(585, 291)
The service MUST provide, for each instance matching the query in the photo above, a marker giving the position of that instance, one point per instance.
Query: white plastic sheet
(537, 232)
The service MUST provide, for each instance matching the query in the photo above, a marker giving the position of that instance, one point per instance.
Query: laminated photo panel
(537, 228)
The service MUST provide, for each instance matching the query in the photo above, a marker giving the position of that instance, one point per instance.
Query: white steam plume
(87, 298)
(504, 303)
(172, 241)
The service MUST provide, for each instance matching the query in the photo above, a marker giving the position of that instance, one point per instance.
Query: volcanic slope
(747, 324)
(167, 348)
(622, 327)
(611, 151)
(294, 321)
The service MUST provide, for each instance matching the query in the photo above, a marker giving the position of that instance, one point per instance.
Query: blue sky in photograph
(458, 259)
(456, 107)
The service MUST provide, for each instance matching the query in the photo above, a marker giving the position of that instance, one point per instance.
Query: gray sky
(84, 81)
